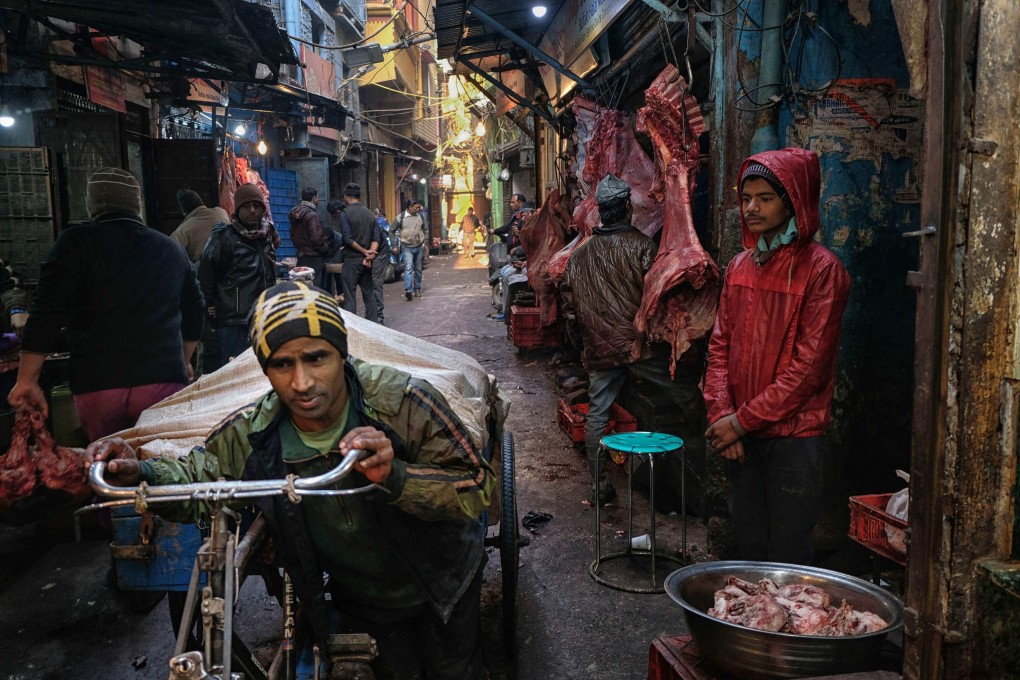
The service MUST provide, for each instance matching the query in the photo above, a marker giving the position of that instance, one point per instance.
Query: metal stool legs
(652, 552)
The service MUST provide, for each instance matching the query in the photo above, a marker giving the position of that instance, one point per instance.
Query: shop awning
(286, 100)
(220, 39)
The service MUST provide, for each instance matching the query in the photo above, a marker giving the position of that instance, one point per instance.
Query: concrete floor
(61, 618)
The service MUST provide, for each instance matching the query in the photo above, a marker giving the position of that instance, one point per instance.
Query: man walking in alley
(312, 241)
(198, 223)
(238, 263)
(468, 225)
(357, 225)
(602, 292)
(772, 358)
(411, 233)
(127, 300)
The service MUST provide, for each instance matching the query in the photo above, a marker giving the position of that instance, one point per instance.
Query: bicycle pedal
(351, 647)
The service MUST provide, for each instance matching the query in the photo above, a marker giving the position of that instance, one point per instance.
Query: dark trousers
(775, 498)
(420, 645)
(220, 344)
(356, 275)
(318, 263)
(379, 267)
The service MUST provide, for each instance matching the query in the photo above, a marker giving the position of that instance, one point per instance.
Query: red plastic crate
(623, 421)
(525, 329)
(868, 522)
(571, 420)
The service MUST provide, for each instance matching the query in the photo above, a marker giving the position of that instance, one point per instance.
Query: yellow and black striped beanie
(294, 310)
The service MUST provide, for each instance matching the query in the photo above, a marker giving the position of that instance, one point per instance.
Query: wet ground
(61, 618)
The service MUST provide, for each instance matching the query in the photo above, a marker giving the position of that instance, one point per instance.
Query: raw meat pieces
(17, 470)
(59, 468)
(55, 467)
(795, 608)
(681, 293)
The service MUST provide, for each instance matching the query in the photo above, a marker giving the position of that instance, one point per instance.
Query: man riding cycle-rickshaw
(400, 533)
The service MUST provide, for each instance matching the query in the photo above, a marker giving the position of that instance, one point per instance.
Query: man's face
(315, 199)
(413, 208)
(308, 375)
(761, 206)
(250, 214)
(516, 203)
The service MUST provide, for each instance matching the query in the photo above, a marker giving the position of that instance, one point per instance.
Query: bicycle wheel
(509, 548)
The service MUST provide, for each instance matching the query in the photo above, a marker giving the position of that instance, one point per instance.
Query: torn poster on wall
(862, 119)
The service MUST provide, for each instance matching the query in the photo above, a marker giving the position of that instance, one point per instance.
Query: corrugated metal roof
(212, 38)
(457, 30)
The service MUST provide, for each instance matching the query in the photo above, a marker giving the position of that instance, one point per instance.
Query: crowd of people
(406, 566)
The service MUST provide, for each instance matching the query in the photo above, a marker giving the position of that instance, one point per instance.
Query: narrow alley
(569, 627)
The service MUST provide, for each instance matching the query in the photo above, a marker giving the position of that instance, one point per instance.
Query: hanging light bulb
(480, 130)
(240, 129)
(414, 176)
(422, 180)
(539, 11)
(504, 174)
(262, 147)
(6, 119)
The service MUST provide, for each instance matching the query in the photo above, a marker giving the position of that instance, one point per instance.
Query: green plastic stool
(634, 444)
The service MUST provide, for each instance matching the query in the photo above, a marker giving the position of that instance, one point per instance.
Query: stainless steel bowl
(757, 654)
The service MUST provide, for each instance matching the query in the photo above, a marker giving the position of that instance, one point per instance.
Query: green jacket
(439, 487)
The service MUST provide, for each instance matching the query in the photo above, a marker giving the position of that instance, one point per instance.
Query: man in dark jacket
(131, 306)
(312, 240)
(601, 292)
(772, 358)
(358, 228)
(238, 263)
(404, 566)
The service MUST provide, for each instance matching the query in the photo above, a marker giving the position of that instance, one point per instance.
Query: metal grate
(26, 209)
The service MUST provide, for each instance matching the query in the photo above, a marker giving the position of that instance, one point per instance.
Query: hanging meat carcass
(611, 148)
(543, 236)
(228, 181)
(681, 293)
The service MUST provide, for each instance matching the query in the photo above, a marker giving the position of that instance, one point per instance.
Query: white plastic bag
(898, 506)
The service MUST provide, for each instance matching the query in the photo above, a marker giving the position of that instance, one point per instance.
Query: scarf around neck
(260, 232)
(765, 250)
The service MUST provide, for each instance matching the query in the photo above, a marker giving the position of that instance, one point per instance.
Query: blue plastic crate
(170, 561)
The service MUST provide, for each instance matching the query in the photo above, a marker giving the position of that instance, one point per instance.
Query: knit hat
(755, 169)
(352, 189)
(610, 189)
(113, 190)
(246, 193)
(188, 200)
(294, 310)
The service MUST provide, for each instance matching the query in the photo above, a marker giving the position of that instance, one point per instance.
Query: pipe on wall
(770, 73)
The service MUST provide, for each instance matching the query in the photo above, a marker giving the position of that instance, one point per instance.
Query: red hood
(798, 171)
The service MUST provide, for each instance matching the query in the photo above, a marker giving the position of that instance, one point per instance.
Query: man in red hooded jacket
(772, 358)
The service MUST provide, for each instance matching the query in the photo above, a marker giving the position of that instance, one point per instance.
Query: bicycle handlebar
(224, 490)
